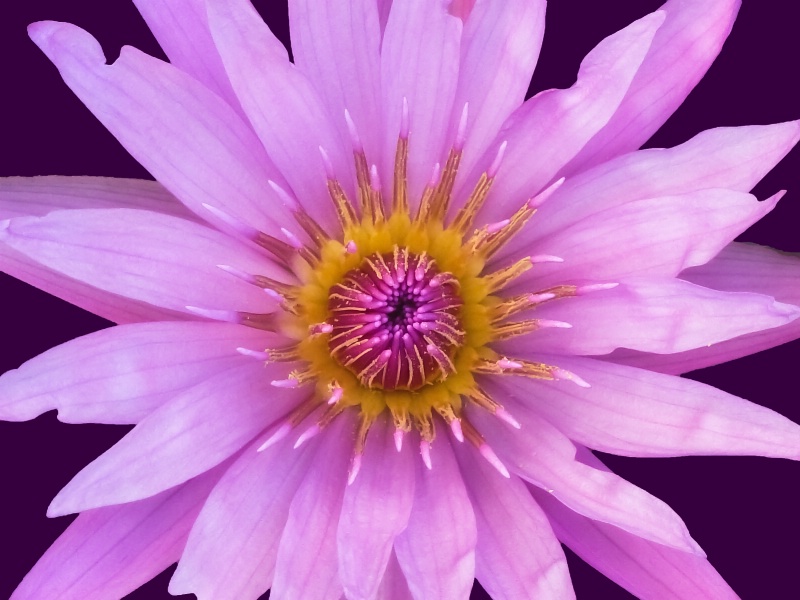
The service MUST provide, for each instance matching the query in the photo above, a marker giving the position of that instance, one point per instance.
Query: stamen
(319, 329)
(277, 436)
(398, 439)
(424, 209)
(425, 452)
(266, 321)
(344, 209)
(315, 231)
(545, 194)
(261, 356)
(517, 304)
(296, 379)
(364, 425)
(292, 420)
(595, 287)
(510, 330)
(517, 366)
(441, 198)
(351, 247)
(467, 214)
(307, 435)
(502, 277)
(299, 247)
(545, 258)
(476, 439)
(336, 393)
(461, 133)
(502, 414)
(564, 375)
(279, 249)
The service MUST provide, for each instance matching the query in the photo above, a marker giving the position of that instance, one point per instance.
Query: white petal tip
(276, 437)
(355, 467)
(425, 453)
(398, 439)
(487, 453)
(545, 258)
(455, 427)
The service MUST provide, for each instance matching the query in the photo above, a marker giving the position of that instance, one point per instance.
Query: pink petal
(337, 45)
(653, 315)
(644, 568)
(655, 237)
(307, 563)
(122, 374)
(633, 412)
(109, 306)
(517, 555)
(37, 196)
(109, 552)
(735, 158)
(394, 585)
(375, 510)
(146, 256)
(680, 55)
(190, 139)
(232, 546)
(545, 457)
(284, 108)
(739, 267)
(188, 435)
(419, 62)
(499, 50)
(550, 128)
(437, 550)
(181, 28)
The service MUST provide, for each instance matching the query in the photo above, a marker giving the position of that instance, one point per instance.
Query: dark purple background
(743, 511)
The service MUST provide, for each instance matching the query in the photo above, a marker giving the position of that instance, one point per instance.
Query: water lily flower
(378, 310)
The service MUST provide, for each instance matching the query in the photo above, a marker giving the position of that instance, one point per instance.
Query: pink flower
(441, 364)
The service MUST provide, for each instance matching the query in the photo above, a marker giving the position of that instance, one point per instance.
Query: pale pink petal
(108, 552)
(680, 55)
(37, 196)
(104, 304)
(633, 412)
(181, 28)
(189, 138)
(437, 550)
(337, 45)
(739, 267)
(120, 375)
(499, 50)
(550, 128)
(146, 256)
(658, 315)
(654, 237)
(393, 585)
(546, 457)
(284, 108)
(232, 546)
(517, 555)
(188, 435)
(419, 62)
(307, 563)
(375, 510)
(735, 158)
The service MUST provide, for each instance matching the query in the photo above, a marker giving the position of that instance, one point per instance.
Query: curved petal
(337, 45)
(247, 509)
(122, 374)
(738, 268)
(545, 457)
(633, 412)
(394, 585)
(653, 315)
(437, 550)
(375, 510)
(517, 555)
(190, 139)
(499, 50)
(37, 196)
(681, 53)
(281, 103)
(550, 128)
(307, 564)
(109, 552)
(186, 436)
(419, 62)
(146, 256)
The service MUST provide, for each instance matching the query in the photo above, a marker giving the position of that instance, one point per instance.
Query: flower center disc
(396, 321)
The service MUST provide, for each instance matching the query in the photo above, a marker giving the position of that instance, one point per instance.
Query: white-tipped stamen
(502, 414)
(285, 197)
(425, 452)
(249, 278)
(542, 196)
(351, 247)
(545, 258)
(550, 323)
(307, 435)
(293, 240)
(259, 355)
(505, 363)
(230, 316)
(491, 172)
(280, 433)
(487, 453)
(240, 227)
(404, 121)
(461, 132)
(320, 329)
(564, 375)
(330, 173)
(355, 139)
(495, 227)
(398, 439)
(543, 297)
(290, 383)
(336, 395)
(595, 287)
(374, 178)
(455, 427)
(355, 467)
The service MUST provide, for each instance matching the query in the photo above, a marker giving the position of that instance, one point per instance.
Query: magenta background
(743, 511)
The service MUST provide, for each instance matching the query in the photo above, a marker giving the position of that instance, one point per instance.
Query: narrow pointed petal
(181, 29)
(189, 138)
(499, 50)
(738, 268)
(186, 436)
(247, 509)
(633, 412)
(652, 315)
(109, 552)
(376, 509)
(122, 374)
(393, 585)
(337, 46)
(517, 555)
(546, 457)
(654, 237)
(422, 68)
(644, 568)
(550, 128)
(681, 53)
(437, 550)
(283, 106)
(162, 260)
(307, 563)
